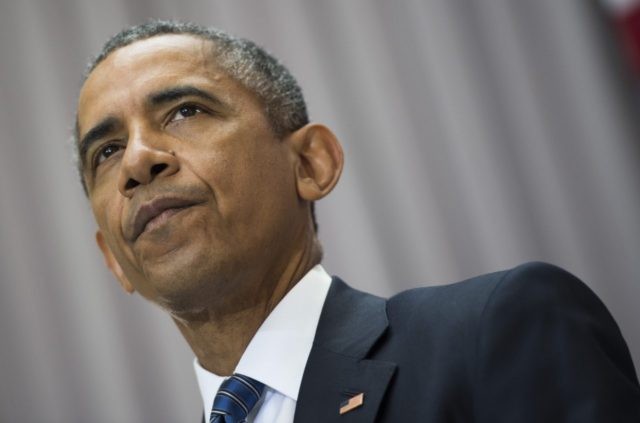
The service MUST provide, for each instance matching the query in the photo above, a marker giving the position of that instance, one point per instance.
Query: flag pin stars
(352, 403)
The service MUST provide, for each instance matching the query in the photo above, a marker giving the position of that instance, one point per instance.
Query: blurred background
(478, 134)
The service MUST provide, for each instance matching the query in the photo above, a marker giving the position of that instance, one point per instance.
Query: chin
(178, 295)
(185, 283)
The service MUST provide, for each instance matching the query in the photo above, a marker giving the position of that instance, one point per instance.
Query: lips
(150, 210)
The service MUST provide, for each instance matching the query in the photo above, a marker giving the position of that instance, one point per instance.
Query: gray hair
(242, 59)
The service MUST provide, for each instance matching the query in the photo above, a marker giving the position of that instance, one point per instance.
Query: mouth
(155, 213)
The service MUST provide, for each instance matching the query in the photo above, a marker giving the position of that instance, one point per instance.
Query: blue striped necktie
(235, 399)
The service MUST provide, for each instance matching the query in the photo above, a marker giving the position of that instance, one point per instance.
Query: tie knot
(237, 395)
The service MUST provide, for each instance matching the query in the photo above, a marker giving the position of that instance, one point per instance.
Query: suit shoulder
(542, 286)
(529, 285)
(541, 324)
(545, 301)
(546, 295)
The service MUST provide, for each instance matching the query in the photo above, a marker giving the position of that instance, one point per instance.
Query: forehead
(131, 72)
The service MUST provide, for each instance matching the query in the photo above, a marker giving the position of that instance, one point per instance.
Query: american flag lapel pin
(352, 403)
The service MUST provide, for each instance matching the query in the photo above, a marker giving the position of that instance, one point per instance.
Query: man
(201, 167)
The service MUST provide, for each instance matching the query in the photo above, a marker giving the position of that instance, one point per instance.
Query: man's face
(192, 191)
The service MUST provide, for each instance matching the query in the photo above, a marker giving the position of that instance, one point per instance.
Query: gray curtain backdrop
(478, 134)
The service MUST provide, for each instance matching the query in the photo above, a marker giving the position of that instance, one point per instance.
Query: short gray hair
(241, 59)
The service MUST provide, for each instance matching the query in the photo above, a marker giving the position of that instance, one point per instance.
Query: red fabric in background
(628, 24)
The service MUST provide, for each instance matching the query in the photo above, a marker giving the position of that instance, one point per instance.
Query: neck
(219, 339)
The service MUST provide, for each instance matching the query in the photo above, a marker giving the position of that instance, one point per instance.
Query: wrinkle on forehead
(196, 55)
(179, 43)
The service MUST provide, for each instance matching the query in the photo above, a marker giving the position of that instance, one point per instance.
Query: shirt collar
(278, 352)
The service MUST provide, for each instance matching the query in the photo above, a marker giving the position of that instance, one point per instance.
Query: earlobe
(113, 264)
(320, 161)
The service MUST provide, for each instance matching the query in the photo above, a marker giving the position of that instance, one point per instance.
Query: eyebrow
(102, 129)
(109, 124)
(175, 93)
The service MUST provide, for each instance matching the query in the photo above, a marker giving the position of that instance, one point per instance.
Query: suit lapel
(337, 370)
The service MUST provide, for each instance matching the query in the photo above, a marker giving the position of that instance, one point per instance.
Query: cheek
(105, 178)
(248, 184)
(109, 222)
(101, 214)
(107, 213)
(257, 172)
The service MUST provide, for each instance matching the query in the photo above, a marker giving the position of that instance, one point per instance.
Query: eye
(186, 111)
(105, 152)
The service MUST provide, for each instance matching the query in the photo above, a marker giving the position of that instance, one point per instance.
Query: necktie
(235, 399)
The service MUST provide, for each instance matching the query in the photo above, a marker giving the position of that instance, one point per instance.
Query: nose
(143, 162)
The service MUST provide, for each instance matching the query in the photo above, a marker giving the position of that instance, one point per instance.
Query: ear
(113, 264)
(320, 160)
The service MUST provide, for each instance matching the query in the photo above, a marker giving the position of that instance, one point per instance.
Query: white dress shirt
(278, 352)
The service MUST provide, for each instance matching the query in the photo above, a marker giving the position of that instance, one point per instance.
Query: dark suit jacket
(532, 344)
